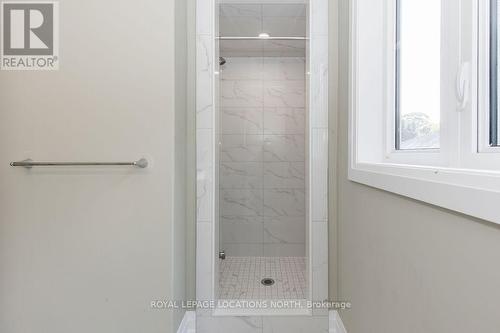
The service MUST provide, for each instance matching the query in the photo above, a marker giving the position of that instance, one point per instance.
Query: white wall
(86, 250)
(407, 266)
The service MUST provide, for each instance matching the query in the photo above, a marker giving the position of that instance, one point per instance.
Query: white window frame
(477, 152)
(464, 174)
(483, 41)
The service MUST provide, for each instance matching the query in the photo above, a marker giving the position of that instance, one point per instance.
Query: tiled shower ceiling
(250, 20)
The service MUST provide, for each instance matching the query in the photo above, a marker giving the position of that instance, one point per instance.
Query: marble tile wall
(283, 20)
(262, 157)
(251, 19)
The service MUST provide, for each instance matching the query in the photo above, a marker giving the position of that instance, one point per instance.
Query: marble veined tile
(241, 219)
(284, 48)
(284, 175)
(206, 323)
(242, 120)
(204, 99)
(284, 202)
(240, 26)
(285, 26)
(319, 82)
(241, 148)
(242, 232)
(284, 10)
(204, 177)
(241, 48)
(242, 68)
(240, 175)
(241, 203)
(284, 120)
(284, 94)
(204, 260)
(241, 93)
(320, 260)
(319, 26)
(276, 68)
(285, 229)
(295, 324)
(284, 148)
(284, 250)
(243, 249)
(204, 22)
(240, 10)
(319, 174)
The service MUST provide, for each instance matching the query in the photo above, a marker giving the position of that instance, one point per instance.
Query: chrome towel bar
(142, 163)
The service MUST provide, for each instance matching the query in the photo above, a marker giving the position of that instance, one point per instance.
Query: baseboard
(188, 323)
(336, 324)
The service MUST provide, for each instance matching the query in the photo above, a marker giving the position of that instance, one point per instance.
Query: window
(424, 111)
(418, 70)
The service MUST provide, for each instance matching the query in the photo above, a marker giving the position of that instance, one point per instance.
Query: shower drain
(267, 282)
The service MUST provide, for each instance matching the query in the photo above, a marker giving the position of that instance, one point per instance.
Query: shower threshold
(242, 308)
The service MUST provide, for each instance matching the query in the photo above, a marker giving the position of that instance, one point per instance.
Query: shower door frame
(207, 133)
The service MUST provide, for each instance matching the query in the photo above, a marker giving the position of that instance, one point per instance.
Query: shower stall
(262, 151)
(262, 160)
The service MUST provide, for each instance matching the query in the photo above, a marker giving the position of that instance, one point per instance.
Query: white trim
(188, 323)
(481, 38)
(435, 186)
(336, 324)
(263, 311)
(476, 123)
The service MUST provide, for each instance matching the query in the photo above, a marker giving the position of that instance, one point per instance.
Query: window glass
(494, 86)
(418, 74)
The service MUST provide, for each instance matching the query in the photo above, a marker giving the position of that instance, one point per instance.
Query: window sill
(471, 192)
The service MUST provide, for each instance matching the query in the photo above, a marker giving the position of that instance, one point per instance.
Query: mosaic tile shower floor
(240, 278)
